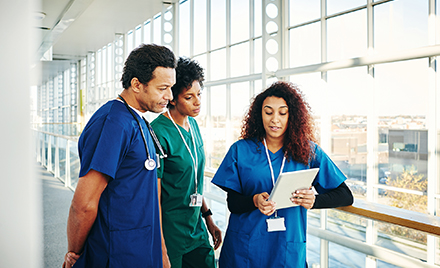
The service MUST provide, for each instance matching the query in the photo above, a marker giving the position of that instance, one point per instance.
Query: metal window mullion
(176, 28)
(191, 28)
(251, 46)
(208, 25)
(325, 132)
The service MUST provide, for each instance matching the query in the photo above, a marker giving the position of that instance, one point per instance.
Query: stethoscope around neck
(150, 164)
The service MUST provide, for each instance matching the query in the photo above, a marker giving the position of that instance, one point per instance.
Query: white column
(21, 242)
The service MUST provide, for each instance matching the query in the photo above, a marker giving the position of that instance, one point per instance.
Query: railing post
(43, 151)
(68, 181)
(57, 158)
(49, 154)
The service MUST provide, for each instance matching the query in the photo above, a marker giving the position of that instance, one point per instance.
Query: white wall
(20, 194)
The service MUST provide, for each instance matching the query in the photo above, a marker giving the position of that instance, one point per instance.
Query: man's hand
(165, 260)
(70, 259)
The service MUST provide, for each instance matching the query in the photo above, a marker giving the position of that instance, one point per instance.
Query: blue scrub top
(126, 232)
(247, 243)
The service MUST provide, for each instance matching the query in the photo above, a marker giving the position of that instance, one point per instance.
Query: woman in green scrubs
(186, 242)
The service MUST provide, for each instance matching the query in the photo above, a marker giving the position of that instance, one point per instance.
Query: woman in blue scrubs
(277, 136)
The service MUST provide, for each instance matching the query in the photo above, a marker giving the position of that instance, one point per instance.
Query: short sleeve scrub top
(182, 225)
(126, 232)
(247, 243)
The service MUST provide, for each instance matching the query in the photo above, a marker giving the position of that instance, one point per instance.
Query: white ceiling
(75, 27)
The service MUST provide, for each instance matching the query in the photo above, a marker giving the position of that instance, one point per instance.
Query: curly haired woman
(181, 175)
(277, 137)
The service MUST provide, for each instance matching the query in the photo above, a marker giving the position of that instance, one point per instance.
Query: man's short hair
(142, 62)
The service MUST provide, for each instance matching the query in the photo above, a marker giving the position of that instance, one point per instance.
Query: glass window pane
(340, 256)
(310, 86)
(184, 29)
(258, 67)
(218, 24)
(257, 18)
(347, 36)
(239, 20)
(147, 32)
(404, 240)
(199, 26)
(218, 119)
(240, 102)
(400, 25)
(305, 45)
(347, 97)
(438, 24)
(138, 36)
(218, 65)
(157, 34)
(129, 42)
(402, 127)
(201, 59)
(240, 60)
(336, 6)
(302, 11)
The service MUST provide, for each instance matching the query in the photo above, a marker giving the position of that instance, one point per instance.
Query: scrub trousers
(201, 257)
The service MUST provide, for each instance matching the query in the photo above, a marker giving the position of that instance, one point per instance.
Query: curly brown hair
(300, 129)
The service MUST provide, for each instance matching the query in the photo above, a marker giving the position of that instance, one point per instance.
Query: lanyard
(195, 161)
(270, 163)
(271, 169)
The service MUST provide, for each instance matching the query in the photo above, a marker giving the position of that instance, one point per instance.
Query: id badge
(158, 161)
(196, 200)
(275, 224)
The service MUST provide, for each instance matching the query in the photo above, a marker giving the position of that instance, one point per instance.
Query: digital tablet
(289, 182)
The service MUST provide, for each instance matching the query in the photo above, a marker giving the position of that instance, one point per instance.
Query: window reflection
(199, 26)
(304, 11)
(347, 36)
(240, 59)
(218, 65)
(157, 26)
(184, 29)
(400, 25)
(239, 20)
(347, 102)
(218, 22)
(305, 45)
(147, 32)
(218, 125)
(335, 6)
(240, 101)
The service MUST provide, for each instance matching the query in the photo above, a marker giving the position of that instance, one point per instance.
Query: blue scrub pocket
(235, 251)
(296, 255)
(131, 248)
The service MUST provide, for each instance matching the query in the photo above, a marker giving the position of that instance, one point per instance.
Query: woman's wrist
(207, 213)
(254, 199)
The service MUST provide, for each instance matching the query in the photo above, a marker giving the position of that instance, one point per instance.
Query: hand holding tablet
(289, 182)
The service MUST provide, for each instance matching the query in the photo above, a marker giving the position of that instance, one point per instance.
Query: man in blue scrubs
(114, 216)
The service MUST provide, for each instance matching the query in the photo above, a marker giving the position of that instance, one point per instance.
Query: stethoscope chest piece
(150, 164)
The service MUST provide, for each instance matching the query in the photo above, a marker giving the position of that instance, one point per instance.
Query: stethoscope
(150, 164)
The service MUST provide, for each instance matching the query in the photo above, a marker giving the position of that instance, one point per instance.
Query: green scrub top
(182, 225)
